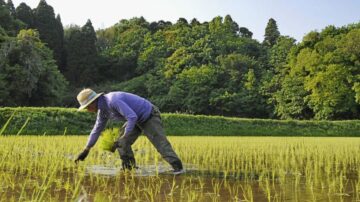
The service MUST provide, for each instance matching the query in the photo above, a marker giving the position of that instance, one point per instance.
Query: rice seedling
(108, 138)
(41, 168)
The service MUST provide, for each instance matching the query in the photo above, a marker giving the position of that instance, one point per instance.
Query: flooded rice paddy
(41, 168)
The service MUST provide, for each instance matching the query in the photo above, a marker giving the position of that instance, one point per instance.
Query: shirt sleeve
(128, 114)
(99, 126)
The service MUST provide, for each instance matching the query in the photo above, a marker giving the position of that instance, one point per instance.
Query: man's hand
(82, 155)
(115, 145)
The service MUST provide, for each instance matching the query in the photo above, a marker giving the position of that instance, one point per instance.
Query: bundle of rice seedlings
(108, 138)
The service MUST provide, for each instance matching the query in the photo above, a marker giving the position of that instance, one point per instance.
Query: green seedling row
(42, 168)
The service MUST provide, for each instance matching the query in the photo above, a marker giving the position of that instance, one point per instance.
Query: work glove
(128, 163)
(120, 143)
(82, 155)
(113, 148)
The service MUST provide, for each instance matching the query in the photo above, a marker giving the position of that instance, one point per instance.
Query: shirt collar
(102, 103)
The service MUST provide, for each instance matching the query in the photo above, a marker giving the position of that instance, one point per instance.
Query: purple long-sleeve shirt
(119, 106)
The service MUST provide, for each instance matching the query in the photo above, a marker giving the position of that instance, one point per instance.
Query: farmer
(140, 116)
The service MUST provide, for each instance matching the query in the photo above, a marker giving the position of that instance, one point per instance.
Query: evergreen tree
(160, 25)
(7, 22)
(271, 33)
(230, 25)
(90, 52)
(5, 17)
(73, 48)
(11, 8)
(82, 56)
(3, 35)
(49, 29)
(181, 22)
(60, 55)
(194, 22)
(245, 32)
(25, 14)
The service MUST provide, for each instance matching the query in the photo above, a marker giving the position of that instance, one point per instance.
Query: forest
(210, 68)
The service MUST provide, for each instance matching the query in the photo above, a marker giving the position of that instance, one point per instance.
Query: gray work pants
(154, 131)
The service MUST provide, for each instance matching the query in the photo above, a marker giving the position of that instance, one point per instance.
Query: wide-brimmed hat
(86, 97)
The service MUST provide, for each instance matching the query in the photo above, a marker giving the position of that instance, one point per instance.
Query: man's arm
(94, 135)
(99, 126)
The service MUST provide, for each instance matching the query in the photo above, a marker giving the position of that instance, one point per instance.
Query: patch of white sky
(294, 18)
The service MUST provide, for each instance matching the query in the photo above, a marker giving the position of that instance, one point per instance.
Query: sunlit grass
(41, 168)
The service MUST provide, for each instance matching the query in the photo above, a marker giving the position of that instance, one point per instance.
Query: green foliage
(290, 103)
(177, 62)
(105, 38)
(11, 8)
(7, 19)
(3, 35)
(135, 85)
(239, 78)
(82, 55)
(330, 96)
(108, 138)
(279, 52)
(322, 78)
(271, 33)
(310, 39)
(223, 126)
(155, 50)
(191, 89)
(180, 56)
(54, 121)
(3, 128)
(127, 42)
(212, 67)
(50, 30)
(273, 79)
(29, 73)
(245, 32)
(25, 14)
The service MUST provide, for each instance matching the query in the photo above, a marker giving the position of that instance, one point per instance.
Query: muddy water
(156, 183)
(141, 171)
(205, 185)
(41, 171)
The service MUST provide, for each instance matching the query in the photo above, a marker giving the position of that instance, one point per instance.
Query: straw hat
(86, 97)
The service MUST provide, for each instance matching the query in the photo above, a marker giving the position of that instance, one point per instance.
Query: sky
(294, 18)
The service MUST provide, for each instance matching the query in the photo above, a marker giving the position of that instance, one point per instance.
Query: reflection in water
(281, 189)
(165, 169)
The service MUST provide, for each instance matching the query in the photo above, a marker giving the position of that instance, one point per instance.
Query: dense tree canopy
(28, 74)
(25, 14)
(7, 18)
(50, 29)
(323, 73)
(196, 67)
(82, 61)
